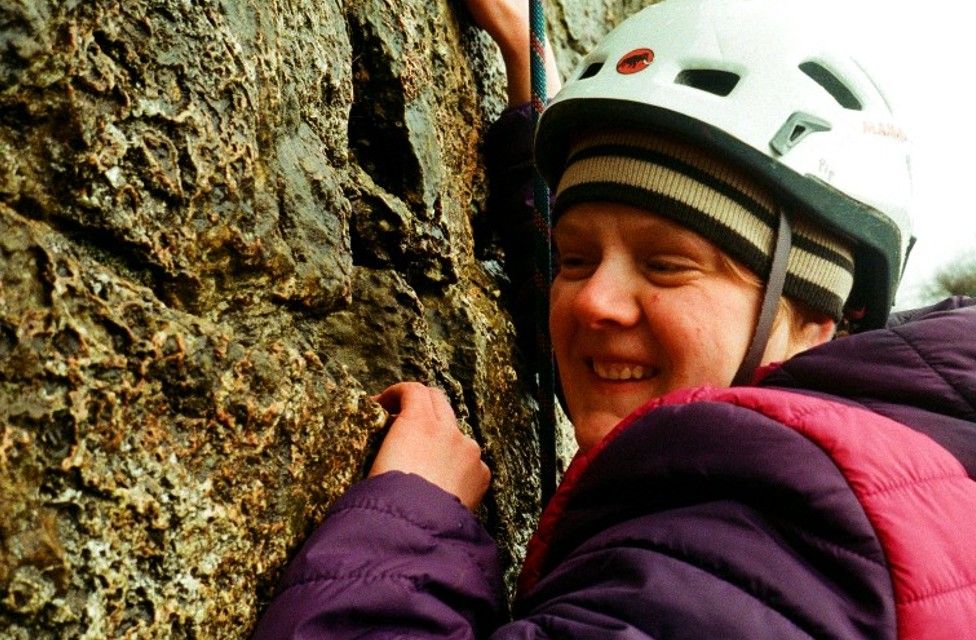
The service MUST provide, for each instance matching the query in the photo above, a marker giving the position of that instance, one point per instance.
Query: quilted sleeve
(395, 557)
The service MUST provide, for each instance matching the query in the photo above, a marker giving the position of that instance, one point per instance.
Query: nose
(609, 297)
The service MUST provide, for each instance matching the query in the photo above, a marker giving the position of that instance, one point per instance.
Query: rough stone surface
(223, 226)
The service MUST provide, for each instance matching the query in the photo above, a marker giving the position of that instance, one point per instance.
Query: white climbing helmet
(760, 84)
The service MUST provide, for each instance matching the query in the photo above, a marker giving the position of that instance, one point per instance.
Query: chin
(593, 427)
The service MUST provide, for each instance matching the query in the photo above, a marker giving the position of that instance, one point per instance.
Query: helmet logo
(636, 60)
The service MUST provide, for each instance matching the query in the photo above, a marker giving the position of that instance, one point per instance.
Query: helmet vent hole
(831, 84)
(797, 127)
(714, 81)
(591, 70)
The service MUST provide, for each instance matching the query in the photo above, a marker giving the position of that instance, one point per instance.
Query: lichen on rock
(224, 226)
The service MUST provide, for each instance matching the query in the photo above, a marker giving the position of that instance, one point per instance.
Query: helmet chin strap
(774, 289)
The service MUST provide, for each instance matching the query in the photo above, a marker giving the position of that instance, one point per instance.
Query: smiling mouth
(620, 371)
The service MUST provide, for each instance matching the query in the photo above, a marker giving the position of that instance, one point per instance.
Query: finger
(394, 397)
(440, 406)
(389, 399)
(479, 486)
(415, 401)
(485, 476)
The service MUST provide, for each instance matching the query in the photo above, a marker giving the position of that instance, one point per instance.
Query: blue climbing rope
(543, 267)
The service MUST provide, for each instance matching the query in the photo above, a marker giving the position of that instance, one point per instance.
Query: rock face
(223, 226)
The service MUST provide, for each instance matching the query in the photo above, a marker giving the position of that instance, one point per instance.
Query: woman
(714, 221)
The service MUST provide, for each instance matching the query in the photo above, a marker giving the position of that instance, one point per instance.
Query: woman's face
(640, 306)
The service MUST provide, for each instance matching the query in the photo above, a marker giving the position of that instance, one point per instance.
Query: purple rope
(545, 390)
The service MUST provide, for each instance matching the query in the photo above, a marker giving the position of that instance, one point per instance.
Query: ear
(813, 332)
(796, 330)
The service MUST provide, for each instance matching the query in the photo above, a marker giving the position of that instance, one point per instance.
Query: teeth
(618, 371)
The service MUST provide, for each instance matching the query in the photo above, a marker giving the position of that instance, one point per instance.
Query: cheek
(560, 318)
(557, 303)
(734, 325)
(708, 334)
(558, 293)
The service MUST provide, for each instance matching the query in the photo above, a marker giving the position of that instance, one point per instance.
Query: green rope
(543, 267)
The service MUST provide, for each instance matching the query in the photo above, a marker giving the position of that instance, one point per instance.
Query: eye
(668, 269)
(573, 264)
(661, 266)
(568, 261)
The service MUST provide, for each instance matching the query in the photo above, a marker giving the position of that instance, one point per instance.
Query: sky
(923, 53)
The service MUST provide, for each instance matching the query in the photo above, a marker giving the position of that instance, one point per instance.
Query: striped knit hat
(713, 198)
